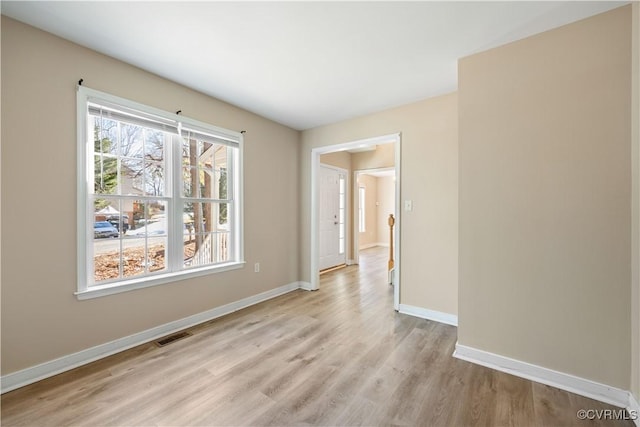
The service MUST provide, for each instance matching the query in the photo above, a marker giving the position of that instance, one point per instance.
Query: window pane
(153, 145)
(106, 259)
(106, 240)
(207, 183)
(150, 218)
(205, 249)
(204, 170)
(187, 182)
(221, 157)
(105, 133)
(222, 184)
(131, 140)
(223, 216)
(154, 164)
(222, 240)
(139, 209)
(206, 153)
(204, 183)
(206, 217)
(154, 181)
(107, 209)
(142, 256)
(200, 183)
(205, 238)
(134, 256)
(105, 174)
(132, 176)
(190, 152)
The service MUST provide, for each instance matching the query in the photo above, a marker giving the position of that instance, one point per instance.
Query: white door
(332, 217)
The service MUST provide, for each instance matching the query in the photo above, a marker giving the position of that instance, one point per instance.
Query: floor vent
(172, 338)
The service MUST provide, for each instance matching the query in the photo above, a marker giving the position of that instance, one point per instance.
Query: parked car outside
(103, 229)
(115, 221)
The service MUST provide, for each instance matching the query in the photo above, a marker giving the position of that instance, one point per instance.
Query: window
(361, 217)
(159, 196)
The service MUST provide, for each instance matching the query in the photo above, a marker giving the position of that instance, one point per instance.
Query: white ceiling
(302, 64)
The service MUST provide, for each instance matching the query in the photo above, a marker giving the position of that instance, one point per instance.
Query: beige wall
(545, 199)
(381, 157)
(41, 318)
(386, 206)
(369, 237)
(429, 237)
(635, 284)
(339, 159)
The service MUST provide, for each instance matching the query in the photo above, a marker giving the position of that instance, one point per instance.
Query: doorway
(393, 141)
(333, 216)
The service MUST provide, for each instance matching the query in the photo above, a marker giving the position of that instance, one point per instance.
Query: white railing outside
(209, 251)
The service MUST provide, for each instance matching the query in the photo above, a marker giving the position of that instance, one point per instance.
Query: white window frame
(85, 215)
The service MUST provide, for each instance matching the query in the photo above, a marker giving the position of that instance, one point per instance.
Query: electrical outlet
(256, 267)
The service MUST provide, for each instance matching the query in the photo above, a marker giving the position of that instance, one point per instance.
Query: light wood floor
(338, 356)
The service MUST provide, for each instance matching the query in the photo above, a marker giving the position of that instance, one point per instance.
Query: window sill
(131, 285)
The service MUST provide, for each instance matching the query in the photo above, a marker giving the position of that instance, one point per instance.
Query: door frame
(346, 206)
(315, 208)
(356, 204)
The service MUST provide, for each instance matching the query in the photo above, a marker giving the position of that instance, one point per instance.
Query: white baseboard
(633, 408)
(39, 372)
(591, 389)
(350, 262)
(306, 286)
(367, 246)
(372, 245)
(424, 313)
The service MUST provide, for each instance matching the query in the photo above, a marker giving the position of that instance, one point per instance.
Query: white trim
(159, 279)
(425, 313)
(82, 159)
(44, 370)
(583, 387)
(314, 280)
(633, 408)
(373, 245)
(350, 262)
(397, 160)
(306, 286)
(367, 246)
